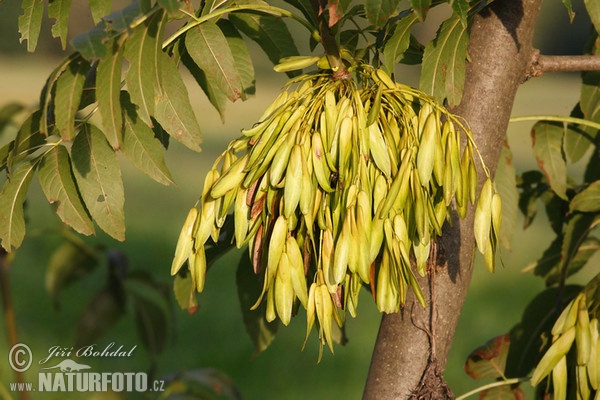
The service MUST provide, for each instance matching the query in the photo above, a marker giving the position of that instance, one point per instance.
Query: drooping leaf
(588, 200)
(98, 176)
(185, 292)
(93, 44)
(28, 140)
(398, 43)
(593, 9)
(420, 8)
(577, 138)
(30, 22)
(489, 360)
(249, 289)
(209, 49)
(270, 32)
(12, 197)
(444, 62)
(108, 87)
(58, 183)
(69, 263)
(60, 10)
(102, 313)
(141, 147)
(67, 97)
(547, 138)
(173, 108)
(99, 8)
(241, 57)
(141, 50)
(378, 12)
(506, 185)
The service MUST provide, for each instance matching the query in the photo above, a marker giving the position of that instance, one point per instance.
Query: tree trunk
(500, 52)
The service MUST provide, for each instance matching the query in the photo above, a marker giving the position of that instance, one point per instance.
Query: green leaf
(213, 5)
(444, 62)
(307, 11)
(141, 49)
(588, 200)
(67, 97)
(505, 392)
(270, 32)
(420, 8)
(8, 112)
(99, 9)
(12, 197)
(577, 138)
(532, 185)
(398, 43)
(241, 57)
(569, 6)
(249, 289)
(57, 182)
(28, 140)
(173, 108)
(98, 175)
(489, 360)
(506, 185)
(30, 22)
(93, 44)
(593, 9)
(576, 232)
(108, 87)
(549, 261)
(141, 147)
(461, 10)
(185, 292)
(547, 140)
(102, 313)
(120, 21)
(208, 47)
(59, 10)
(171, 6)
(378, 12)
(206, 383)
(69, 263)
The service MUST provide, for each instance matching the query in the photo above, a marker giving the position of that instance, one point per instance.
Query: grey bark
(500, 51)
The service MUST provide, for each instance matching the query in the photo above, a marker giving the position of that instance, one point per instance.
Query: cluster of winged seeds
(339, 186)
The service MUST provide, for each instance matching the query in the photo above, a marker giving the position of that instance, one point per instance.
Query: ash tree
(351, 185)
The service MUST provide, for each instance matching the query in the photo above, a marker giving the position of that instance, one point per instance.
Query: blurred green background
(215, 337)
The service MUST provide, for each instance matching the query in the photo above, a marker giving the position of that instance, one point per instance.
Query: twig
(541, 63)
(328, 41)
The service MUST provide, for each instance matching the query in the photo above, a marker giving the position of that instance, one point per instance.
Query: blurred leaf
(69, 263)
(532, 185)
(100, 315)
(576, 231)
(547, 140)
(173, 108)
(420, 7)
(142, 50)
(588, 200)
(30, 22)
(28, 140)
(270, 32)
(60, 10)
(569, 6)
(108, 88)
(461, 9)
(12, 197)
(58, 184)
(593, 9)
(506, 185)
(152, 313)
(67, 97)
(185, 292)
(443, 73)
(549, 261)
(93, 44)
(241, 57)
(378, 11)
(249, 286)
(98, 175)
(489, 360)
(556, 210)
(209, 49)
(193, 384)
(141, 147)
(7, 113)
(398, 43)
(99, 9)
(505, 392)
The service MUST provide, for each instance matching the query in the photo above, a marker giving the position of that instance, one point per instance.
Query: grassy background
(215, 337)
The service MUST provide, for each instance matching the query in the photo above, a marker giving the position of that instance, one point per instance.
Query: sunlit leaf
(141, 147)
(249, 289)
(69, 88)
(185, 292)
(93, 44)
(444, 62)
(12, 197)
(270, 32)
(173, 108)
(378, 11)
(398, 43)
(577, 138)
(108, 87)
(506, 185)
(588, 200)
(420, 8)
(593, 9)
(98, 176)
(489, 360)
(141, 50)
(28, 140)
(58, 183)
(210, 50)
(241, 57)
(99, 8)
(60, 10)
(69, 263)
(547, 141)
(30, 22)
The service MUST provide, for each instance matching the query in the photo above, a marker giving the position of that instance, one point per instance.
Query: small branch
(541, 64)
(328, 41)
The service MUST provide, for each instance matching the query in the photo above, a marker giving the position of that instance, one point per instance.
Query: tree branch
(541, 63)
(500, 51)
(328, 41)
